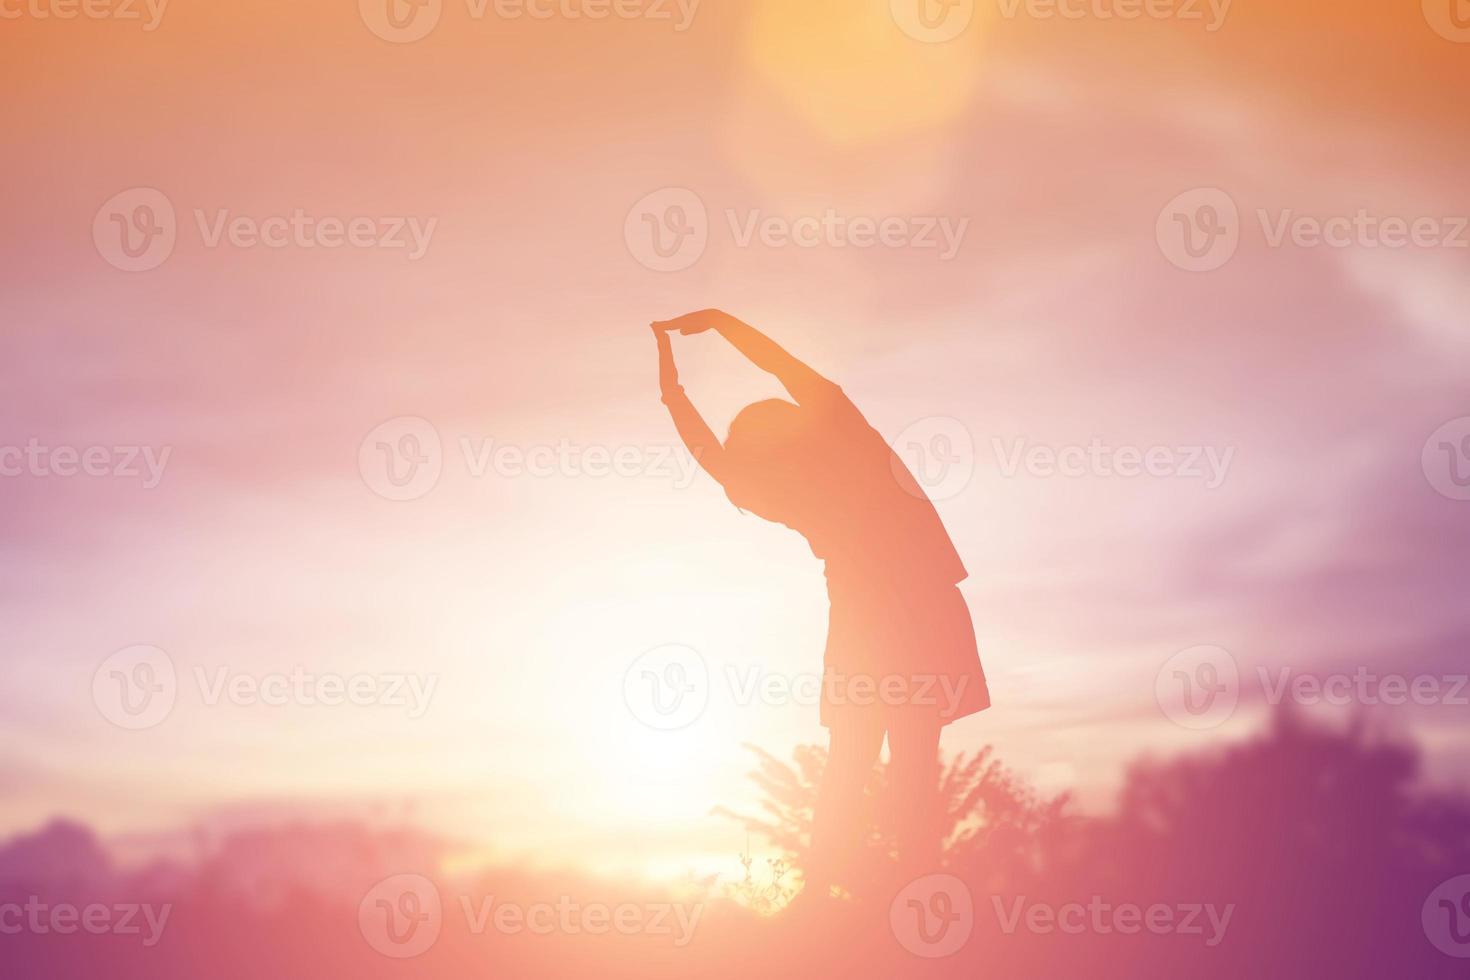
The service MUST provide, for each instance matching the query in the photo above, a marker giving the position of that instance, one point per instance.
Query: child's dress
(900, 642)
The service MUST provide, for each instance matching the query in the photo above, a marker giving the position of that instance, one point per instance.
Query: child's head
(772, 451)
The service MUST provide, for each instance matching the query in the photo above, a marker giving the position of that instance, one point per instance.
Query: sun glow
(849, 70)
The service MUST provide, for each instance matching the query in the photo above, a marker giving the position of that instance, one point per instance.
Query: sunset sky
(521, 149)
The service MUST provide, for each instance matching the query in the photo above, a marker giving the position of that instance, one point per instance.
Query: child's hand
(668, 374)
(693, 323)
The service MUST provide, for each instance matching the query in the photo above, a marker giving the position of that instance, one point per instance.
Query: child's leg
(913, 747)
(838, 820)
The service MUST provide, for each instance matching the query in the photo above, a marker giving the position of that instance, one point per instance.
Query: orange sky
(527, 141)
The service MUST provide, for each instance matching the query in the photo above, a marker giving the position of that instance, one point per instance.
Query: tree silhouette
(990, 817)
(1319, 838)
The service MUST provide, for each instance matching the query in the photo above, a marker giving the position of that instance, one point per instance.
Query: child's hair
(766, 430)
(772, 447)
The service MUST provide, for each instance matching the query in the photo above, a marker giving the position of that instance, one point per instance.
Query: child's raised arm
(797, 378)
(696, 433)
